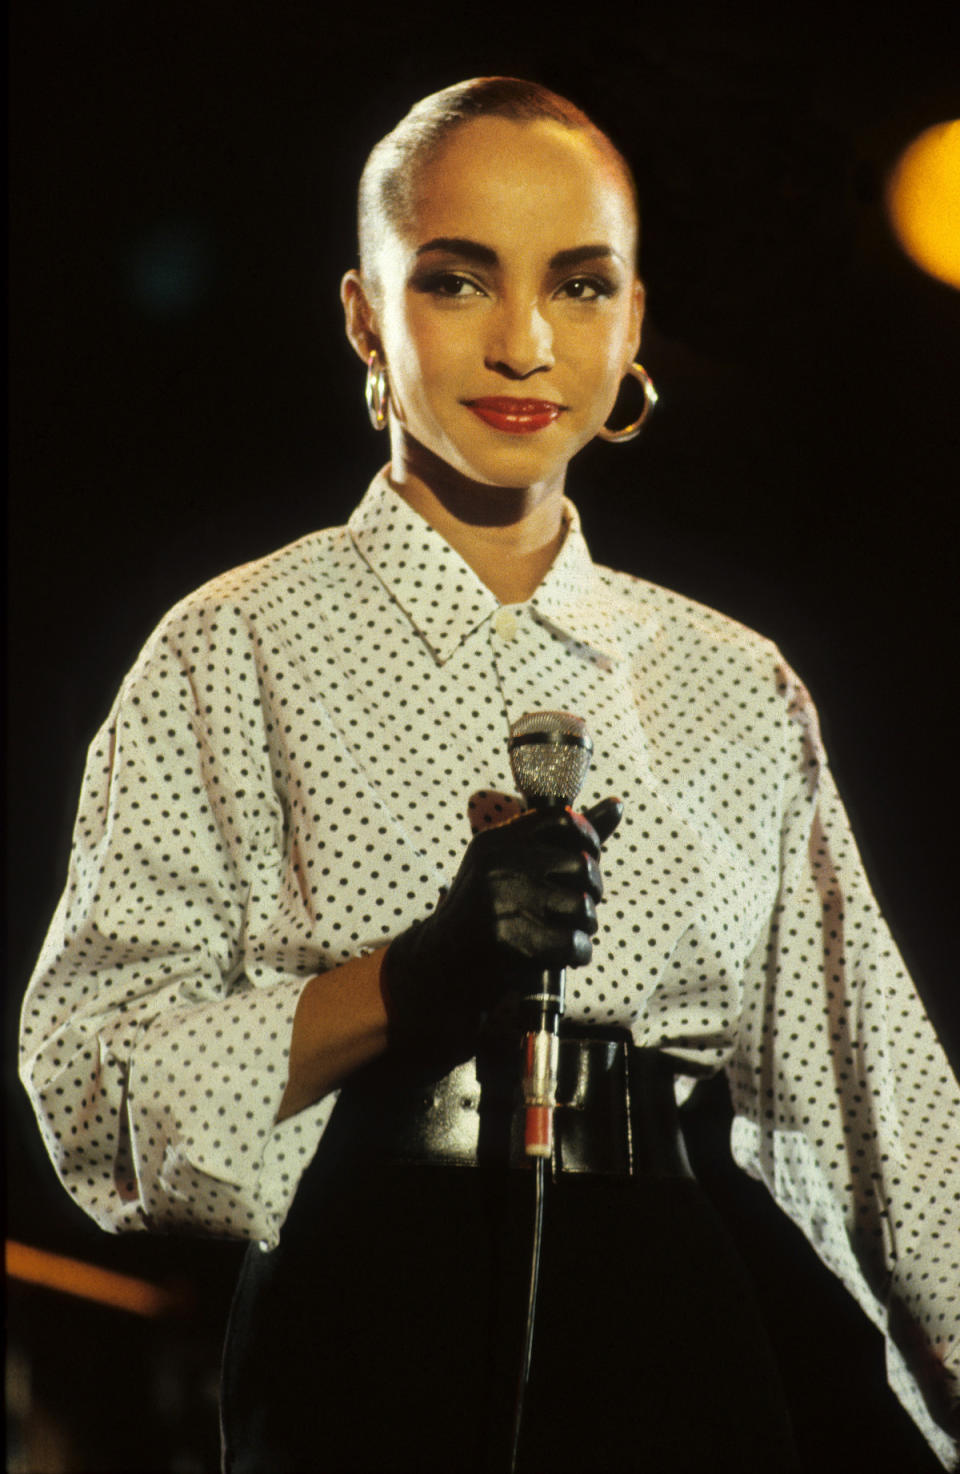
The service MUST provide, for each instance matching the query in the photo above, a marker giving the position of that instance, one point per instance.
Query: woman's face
(508, 307)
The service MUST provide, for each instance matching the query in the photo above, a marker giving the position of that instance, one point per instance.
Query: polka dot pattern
(290, 775)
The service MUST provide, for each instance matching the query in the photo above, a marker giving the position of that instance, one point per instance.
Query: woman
(252, 1017)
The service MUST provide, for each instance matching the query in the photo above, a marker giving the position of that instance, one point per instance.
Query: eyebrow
(487, 256)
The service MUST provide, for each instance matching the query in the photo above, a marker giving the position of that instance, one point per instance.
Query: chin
(523, 464)
(501, 462)
(518, 476)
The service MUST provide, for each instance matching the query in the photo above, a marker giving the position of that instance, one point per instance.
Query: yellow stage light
(74, 1277)
(923, 201)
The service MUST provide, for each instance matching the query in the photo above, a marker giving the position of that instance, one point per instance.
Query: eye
(587, 288)
(449, 284)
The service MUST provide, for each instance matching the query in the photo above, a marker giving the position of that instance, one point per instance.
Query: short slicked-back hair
(388, 182)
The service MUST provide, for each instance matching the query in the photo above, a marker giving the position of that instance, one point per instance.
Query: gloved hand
(524, 899)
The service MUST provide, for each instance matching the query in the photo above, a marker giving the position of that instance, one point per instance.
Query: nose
(520, 341)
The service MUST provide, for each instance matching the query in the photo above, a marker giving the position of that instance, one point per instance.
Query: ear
(637, 309)
(360, 316)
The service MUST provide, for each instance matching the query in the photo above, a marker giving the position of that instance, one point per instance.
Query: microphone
(550, 754)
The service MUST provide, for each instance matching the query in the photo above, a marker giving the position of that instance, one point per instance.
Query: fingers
(575, 908)
(541, 902)
(605, 816)
(546, 868)
(546, 926)
(576, 871)
(537, 941)
(568, 829)
(563, 828)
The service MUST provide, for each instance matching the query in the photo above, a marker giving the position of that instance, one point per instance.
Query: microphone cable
(540, 1188)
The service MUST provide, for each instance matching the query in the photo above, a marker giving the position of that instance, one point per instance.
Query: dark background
(183, 398)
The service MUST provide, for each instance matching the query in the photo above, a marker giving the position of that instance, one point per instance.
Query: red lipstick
(515, 416)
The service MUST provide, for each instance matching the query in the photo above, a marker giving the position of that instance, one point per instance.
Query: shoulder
(722, 672)
(273, 584)
(231, 636)
(682, 621)
(281, 592)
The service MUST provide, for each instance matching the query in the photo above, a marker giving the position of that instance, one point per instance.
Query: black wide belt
(616, 1111)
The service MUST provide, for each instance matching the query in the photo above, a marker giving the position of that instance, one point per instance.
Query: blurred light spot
(170, 268)
(73, 1277)
(923, 201)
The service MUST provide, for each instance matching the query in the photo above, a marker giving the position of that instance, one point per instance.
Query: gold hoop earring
(650, 395)
(377, 391)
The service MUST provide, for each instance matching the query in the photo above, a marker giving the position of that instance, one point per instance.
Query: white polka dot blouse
(291, 773)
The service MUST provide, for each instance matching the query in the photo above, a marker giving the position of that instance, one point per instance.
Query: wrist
(338, 1027)
(432, 1008)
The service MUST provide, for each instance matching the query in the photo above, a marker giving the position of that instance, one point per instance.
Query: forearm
(340, 1025)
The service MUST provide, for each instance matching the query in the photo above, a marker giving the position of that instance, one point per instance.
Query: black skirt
(384, 1334)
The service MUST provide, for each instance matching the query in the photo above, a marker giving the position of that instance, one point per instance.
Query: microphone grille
(550, 753)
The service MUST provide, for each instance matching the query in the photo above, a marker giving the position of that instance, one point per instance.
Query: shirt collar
(444, 599)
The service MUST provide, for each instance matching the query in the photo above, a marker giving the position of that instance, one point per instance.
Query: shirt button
(505, 623)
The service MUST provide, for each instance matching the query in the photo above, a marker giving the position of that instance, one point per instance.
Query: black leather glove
(524, 899)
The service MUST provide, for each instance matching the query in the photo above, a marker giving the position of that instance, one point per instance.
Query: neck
(509, 535)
